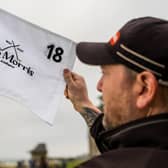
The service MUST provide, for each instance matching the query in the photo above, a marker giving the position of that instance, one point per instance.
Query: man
(132, 131)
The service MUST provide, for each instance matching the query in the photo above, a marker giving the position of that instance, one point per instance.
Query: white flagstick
(32, 60)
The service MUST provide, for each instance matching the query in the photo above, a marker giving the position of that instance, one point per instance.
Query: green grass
(72, 164)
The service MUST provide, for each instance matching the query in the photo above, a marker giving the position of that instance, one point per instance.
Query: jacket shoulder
(130, 157)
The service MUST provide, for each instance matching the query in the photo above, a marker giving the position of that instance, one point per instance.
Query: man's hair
(163, 91)
(131, 74)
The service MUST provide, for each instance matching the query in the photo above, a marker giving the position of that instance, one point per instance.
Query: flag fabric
(32, 60)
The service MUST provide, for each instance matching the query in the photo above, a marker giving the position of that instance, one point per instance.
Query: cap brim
(94, 53)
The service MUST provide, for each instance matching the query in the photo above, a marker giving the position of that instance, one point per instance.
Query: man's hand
(76, 92)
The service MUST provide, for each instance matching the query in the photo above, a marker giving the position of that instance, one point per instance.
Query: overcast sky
(79, 20)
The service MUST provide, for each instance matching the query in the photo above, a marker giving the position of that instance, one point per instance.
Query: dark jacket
(139, 144)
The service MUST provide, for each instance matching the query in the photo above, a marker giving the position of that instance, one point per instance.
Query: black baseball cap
(141, 44)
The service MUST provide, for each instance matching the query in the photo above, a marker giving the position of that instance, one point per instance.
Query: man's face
(117, 91)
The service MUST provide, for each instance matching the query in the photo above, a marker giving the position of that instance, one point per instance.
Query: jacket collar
(146, 132)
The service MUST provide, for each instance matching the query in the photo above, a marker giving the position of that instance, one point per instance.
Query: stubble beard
(118, 113)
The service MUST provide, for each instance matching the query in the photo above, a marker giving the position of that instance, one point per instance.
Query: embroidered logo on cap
(115, 38)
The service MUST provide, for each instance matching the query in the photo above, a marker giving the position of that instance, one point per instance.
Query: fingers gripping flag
(31, 65)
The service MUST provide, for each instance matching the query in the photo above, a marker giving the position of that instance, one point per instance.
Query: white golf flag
(32, 60)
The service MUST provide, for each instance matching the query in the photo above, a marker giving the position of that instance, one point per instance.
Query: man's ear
(146, 88)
